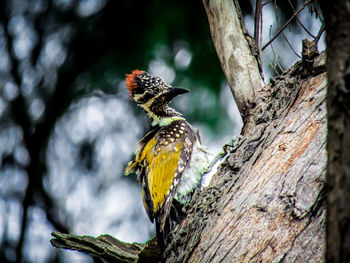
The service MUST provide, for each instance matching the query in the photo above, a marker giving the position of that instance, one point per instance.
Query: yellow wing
(157, 163)
(134, 166)
(161, 174)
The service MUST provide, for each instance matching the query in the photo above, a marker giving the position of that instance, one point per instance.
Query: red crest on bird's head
(144, 88)
(130, 81)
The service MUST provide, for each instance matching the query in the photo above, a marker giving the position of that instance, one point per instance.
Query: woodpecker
(169, 159)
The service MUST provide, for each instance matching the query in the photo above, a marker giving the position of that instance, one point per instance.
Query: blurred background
(67, 126)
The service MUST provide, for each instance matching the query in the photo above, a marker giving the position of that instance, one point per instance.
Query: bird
(170, 159)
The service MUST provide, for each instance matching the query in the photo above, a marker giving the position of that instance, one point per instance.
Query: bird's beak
(173, 92)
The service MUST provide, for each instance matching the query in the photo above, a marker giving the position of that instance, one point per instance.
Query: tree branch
(108, 248)
(237, 61)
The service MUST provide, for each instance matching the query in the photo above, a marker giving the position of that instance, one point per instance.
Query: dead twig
(286, 24)
(290, 45)
(258, 24)
(284, 36)
(267, 2)
(277, 68)
(319, 34)
(301, 24)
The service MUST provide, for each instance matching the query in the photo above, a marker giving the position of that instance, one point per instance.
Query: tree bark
(337, 21)
(267, 201)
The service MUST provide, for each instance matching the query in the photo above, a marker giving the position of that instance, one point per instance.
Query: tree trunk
(266, 203)
(337, 20)
(235, 49)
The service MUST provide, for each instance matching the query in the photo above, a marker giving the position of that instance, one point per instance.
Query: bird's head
(149, 91)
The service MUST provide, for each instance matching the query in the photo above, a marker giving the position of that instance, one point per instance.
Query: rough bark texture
(232, 46)
(337, 21)
(267, 201)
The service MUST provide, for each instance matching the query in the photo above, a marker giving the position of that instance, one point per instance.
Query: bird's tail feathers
(175, 217)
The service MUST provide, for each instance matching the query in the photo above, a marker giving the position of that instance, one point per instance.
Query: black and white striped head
(150, 92)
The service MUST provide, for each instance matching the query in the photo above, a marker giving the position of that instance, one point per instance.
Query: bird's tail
(176, 215)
